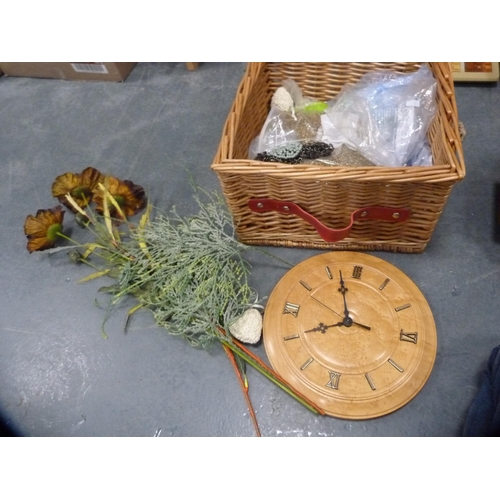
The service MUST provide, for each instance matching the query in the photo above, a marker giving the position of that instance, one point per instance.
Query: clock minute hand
(343, 290)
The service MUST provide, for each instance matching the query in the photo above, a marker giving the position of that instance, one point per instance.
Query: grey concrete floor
(59, 377)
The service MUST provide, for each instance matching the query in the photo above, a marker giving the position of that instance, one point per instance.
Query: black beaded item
(295, 153)
(313, 150)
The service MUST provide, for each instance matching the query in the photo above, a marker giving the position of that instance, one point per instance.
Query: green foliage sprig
(189, 271)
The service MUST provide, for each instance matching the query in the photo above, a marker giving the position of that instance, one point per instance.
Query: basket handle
(329, 235)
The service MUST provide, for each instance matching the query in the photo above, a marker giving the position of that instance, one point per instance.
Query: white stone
(248, 327)
(282, 100)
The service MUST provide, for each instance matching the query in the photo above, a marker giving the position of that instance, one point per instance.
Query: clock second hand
(340, 315)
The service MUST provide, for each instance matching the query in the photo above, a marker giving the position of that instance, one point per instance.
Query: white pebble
(282, 100)
(248, 327)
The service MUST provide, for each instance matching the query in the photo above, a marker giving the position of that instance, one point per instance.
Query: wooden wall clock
(351, 332)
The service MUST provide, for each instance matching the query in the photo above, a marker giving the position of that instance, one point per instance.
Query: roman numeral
(292, 309)
(408, 336)
(356, 272)
(333, 383)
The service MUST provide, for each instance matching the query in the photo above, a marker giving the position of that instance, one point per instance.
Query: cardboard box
(475, 71)
(97, 71)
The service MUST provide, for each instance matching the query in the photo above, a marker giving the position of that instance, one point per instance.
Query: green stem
(79, 245)
(62, 235)
(267, 372)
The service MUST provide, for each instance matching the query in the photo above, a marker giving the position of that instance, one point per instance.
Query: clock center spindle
(347, 321)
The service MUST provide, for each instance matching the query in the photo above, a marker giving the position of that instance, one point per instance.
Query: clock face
(352, 333)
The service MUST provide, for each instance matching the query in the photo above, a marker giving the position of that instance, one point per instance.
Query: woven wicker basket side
(332, 203)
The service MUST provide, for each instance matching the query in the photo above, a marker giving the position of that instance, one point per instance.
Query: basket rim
(224, 163)
(434, 173)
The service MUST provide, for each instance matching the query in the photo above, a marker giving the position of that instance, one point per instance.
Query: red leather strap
(329, 235)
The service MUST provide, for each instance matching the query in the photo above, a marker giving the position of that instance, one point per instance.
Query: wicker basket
(329, 207)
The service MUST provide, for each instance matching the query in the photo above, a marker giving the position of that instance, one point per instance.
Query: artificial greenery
(188, 271)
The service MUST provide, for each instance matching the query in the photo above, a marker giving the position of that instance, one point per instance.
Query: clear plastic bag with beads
(293, 121)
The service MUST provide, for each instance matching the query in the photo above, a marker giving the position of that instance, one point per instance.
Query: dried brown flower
(42, 230)
(80, 186)
(130, 197)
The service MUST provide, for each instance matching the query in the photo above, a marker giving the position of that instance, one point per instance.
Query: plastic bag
(293, 118)
(278, 130)
(385, 117)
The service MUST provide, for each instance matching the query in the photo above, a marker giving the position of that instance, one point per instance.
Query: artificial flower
(130, 197)
(80, 186)
(43, 229)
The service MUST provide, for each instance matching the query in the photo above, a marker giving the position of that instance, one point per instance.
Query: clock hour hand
(355, 323)
(323, 328)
